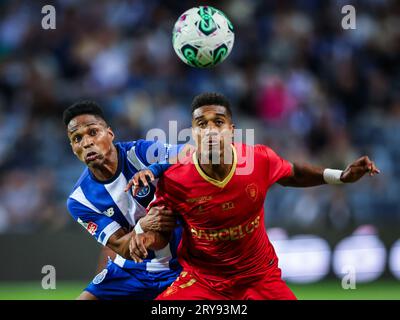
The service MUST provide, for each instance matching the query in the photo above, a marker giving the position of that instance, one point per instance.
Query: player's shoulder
(126, 145)
(183, 164)
(142, 152)
(135, 144)
(262, 148)
(133, 151)
(83, 179)
(268, 154)
(78, 202)
(258, 152)
(243, 148)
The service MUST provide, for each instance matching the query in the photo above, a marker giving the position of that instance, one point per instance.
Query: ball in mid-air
(203, 37)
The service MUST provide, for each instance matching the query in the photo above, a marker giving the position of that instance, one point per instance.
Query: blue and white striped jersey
(102, 207)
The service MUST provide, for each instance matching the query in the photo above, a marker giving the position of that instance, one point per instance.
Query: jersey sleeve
(97, 224)
(162, 197)
(155, 155)
(277, 167)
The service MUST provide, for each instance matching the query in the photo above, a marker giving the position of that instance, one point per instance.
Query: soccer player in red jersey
(225, 251)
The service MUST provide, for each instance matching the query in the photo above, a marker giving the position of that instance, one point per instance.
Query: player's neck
(217, 171)
(108, 168)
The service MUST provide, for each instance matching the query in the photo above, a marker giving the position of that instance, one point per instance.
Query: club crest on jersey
(109, 212)
(100, 277)
(252, 191)
(143, 192)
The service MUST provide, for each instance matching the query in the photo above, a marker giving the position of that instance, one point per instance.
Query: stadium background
(310, 89)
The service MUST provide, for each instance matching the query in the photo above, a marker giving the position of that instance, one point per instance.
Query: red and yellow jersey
(223, 221)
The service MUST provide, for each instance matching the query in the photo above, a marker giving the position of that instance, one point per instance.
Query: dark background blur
(311, 90)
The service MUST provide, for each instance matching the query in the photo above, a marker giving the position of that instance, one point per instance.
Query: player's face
(91, 139)
(212, 130)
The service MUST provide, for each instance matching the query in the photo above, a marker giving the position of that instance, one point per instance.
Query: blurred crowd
(311, 90)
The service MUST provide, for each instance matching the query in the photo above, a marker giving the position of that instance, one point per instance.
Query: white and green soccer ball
(203, 37)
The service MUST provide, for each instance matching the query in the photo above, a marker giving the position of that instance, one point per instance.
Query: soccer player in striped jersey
(225, 251)
(100, 204)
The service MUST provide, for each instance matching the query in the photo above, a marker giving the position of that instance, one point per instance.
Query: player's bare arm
(134, 246)
(119, 242)
(306, 175)
(139, 244)
(158, 219)
(155, 231)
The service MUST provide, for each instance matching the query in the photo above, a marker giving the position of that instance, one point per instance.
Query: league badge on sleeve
(100, 277)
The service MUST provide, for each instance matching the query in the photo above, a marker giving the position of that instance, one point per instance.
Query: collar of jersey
(213, 181)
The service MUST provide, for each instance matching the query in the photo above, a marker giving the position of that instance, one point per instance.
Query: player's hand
(358, 168)
(140, 179)
(137, 246)
(158, 219)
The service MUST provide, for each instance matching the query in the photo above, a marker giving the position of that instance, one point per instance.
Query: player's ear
(73, 149)
(233, 131)
(195, 135)
(111, 133)
(232, 128)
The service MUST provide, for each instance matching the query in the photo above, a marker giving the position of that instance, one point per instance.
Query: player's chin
(214, 148)
(94, 163)
(215, 156)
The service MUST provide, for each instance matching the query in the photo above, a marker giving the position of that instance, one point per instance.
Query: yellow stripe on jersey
(215, 182)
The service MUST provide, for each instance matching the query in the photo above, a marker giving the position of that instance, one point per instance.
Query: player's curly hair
(82, 107)
(211, 98)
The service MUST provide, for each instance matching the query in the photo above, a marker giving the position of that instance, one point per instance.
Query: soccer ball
(203, 37)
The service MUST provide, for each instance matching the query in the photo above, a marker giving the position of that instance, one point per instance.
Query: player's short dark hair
(82, 107)
(211, 98)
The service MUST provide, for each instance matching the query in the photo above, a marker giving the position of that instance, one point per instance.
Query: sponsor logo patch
(109, 212)
(228, 206)
(91, 227)
(202, 199)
